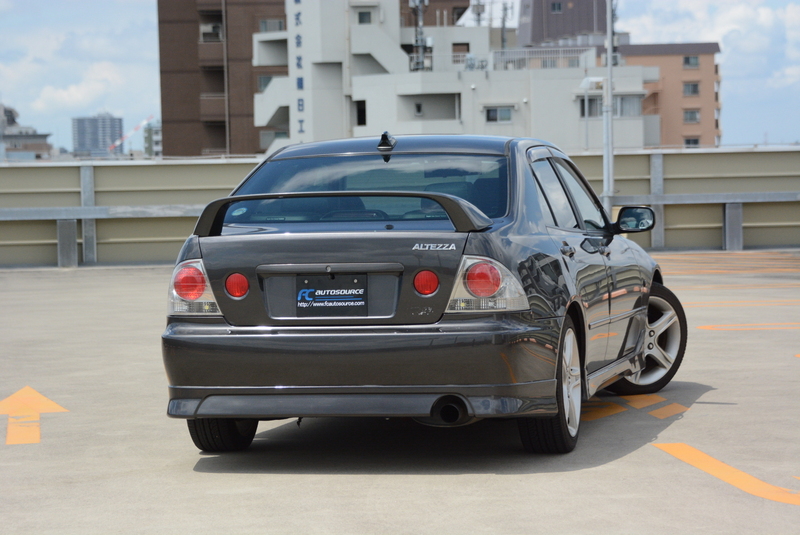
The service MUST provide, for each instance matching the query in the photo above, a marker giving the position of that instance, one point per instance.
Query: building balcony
(209, 5)
(210, 54)
(212, 107)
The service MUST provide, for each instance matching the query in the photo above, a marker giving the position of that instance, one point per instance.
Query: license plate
(323, 296)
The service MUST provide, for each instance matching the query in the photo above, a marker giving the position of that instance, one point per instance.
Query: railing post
(67, 243)
(658, 234)
(733, 227)
(88, 226)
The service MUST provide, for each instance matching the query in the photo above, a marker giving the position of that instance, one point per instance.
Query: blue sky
(69, 58)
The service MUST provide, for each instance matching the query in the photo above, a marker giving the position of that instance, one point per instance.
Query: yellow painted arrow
(23, 409)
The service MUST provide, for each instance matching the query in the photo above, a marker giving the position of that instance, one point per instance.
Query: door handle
(567, 250)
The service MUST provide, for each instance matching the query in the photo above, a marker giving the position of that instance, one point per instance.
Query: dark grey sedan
(442, 278)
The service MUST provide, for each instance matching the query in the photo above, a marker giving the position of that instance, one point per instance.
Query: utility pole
(477, 9)
(608, 110)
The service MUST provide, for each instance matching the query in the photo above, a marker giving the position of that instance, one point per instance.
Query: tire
(665, 343)
(216, 435)
(559, 434)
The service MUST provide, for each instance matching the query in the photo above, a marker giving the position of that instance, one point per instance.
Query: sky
(61, 59)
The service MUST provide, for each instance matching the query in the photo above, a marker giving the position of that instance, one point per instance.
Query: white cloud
(99, 80)
(786, 77)
(792, 19)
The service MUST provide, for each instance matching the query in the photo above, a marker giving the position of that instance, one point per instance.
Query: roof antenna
(386, 145)
(387, 142)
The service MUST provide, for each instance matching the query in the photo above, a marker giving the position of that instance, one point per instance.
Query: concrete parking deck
(87, 448)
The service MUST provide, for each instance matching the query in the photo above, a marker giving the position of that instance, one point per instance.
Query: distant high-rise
(92, 136)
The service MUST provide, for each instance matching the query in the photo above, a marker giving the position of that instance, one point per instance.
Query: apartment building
(687, 94)
(209, 79)
(353, 70)
(94, 136)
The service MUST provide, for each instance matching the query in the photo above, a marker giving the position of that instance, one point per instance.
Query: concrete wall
(712, 187)
(116, 184)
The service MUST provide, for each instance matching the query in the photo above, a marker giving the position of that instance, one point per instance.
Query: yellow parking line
(640, 402)
(670, 410)
(751, 327)
(729, 474)
(595, 410)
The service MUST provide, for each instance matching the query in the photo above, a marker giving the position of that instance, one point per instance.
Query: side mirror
(634, 219)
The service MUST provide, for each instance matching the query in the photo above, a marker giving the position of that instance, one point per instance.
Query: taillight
(426, 282)
(483, 279)
(237, 285)
(190, 283)
(189, 292)
(486, 285)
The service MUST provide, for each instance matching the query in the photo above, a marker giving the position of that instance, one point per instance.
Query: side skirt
(614, 371)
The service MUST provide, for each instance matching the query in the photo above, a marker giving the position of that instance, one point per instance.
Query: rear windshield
(481, 180)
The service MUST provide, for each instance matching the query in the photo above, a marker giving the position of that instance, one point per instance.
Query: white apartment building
(352, 72)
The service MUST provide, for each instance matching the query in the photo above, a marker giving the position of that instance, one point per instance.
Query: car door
(581, 254)
(625, 286)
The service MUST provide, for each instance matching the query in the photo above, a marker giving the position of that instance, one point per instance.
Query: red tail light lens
(190, 283)
(426, 282)
(237, 285)
(483, 280)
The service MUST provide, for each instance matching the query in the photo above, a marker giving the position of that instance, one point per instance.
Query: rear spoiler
(465, 216)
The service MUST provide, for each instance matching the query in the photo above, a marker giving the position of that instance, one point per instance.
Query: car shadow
(402, 446)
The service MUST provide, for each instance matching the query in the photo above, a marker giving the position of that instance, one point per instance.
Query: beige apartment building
(686, 97)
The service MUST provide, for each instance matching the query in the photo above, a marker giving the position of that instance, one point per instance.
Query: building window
(418, 109)
(627, 106)
(594, 107)
(498, 115)
(361, 112)
(691, 116)
(555, 7)
(365, 17)
(263, 82)
(691, 62)
(691, 142)
(691, 89)
(271, 25)
(549, 63)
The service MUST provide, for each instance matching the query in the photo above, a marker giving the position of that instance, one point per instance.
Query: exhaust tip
(448, 411)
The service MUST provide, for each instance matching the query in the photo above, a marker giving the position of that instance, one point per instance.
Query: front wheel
(559, 434)
(216, 435)
(664, 345)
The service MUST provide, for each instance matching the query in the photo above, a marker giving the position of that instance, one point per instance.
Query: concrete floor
(89, 340)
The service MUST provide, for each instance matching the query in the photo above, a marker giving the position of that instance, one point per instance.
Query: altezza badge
(434, 247)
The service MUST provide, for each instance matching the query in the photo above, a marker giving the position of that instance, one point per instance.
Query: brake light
(190, 283)
(484, 284)
(237, 285)
(189, 292)
(426, 282)
(483, 279)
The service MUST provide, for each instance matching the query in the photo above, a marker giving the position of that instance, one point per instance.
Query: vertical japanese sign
(297, 16)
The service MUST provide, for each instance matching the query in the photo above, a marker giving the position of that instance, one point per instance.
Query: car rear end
(348, 284)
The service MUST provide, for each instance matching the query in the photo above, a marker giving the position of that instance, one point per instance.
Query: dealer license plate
(323, 296)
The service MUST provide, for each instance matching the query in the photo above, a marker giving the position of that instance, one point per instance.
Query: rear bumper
(497, 366)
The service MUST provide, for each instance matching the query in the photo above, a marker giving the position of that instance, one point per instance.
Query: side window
(544, 208)
(591, 213)
(556, 196)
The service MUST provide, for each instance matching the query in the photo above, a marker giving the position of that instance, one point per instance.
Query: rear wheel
(665, 342)
(222, 434)
(559, 434)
